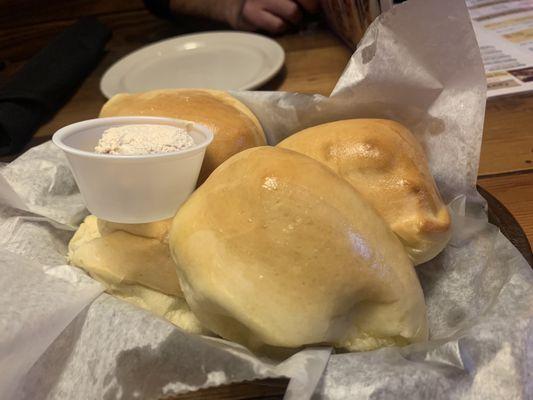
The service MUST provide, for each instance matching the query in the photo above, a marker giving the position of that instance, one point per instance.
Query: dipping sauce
(144, 139)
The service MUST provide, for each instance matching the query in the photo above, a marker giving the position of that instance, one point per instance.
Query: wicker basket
(350, 18)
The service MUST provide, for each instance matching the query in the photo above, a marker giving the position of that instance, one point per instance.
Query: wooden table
(315, 60)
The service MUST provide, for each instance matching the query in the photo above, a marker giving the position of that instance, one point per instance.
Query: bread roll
(122, 258)
(133, 262)
(276, 249)
(385, 163)
(234, 126)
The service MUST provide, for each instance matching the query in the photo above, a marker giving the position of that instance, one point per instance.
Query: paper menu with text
(504, 30)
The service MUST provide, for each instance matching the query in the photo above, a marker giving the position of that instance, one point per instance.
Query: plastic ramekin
(132, 189)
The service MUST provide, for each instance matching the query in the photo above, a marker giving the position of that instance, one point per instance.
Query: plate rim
(108, 91)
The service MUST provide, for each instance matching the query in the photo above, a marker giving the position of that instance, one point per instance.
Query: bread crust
(385, 163)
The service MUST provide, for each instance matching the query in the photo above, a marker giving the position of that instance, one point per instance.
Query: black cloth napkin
(46, 81)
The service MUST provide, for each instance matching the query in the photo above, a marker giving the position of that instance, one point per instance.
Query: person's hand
(273, 16)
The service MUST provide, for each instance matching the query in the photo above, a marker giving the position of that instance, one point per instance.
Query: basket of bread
(190, 238)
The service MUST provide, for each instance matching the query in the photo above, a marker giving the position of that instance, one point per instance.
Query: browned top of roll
(385, 163)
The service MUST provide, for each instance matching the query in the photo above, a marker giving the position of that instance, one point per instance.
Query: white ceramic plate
(213, 60)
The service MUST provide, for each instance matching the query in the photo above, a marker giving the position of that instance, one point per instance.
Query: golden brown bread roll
(385, 163)
(234, 126)
(276, 249)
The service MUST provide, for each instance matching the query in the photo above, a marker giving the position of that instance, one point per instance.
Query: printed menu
(504, 30)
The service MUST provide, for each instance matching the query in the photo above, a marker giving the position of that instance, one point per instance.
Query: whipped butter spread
(141, 139)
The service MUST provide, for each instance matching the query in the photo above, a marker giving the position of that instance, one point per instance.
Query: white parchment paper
(61, 338)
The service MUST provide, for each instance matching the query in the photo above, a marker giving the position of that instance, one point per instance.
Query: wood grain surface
(314, 61)
(515, 192)
(265, 389)
(508, 135)
(14, 13)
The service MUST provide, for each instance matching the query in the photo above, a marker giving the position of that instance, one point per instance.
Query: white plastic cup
(132, 188)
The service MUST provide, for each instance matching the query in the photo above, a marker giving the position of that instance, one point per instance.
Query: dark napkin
(46, 81)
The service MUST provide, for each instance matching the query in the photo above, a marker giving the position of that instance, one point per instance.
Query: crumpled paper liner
(418, 64)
